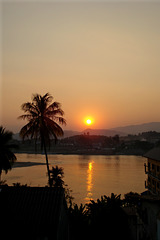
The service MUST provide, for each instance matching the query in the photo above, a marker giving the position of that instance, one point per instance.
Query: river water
(89, 177)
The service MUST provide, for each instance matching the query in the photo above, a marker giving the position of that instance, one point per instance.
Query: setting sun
(88, 121)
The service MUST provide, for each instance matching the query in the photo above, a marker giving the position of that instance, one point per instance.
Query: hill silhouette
(136, 129)
(121, 131)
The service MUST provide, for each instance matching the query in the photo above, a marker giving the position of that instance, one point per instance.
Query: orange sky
(98, 59)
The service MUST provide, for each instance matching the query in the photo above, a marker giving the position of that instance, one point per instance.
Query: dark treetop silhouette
(7, 157)
(42, 115)
(56, 177)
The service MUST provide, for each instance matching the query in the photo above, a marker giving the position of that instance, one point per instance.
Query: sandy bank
(26, 164)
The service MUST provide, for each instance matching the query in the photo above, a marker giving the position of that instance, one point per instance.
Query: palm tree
(43, 117)
(7, 157)
(57, 174)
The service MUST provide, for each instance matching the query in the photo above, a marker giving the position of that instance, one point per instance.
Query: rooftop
(32, 209)
(153, 154)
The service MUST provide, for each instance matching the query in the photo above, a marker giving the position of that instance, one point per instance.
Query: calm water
(89, 177)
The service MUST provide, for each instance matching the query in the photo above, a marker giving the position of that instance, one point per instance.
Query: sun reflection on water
(89, 181)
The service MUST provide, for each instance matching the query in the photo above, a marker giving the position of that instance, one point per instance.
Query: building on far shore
(152, 169)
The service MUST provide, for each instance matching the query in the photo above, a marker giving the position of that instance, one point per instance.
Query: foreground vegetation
(104, 218)
(101, 219)
(7, 157)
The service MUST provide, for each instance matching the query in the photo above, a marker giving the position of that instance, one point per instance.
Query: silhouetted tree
(101, 219)
(131, 199)
(107, 219)
(79, 227)
(43, 117)
(116, 139)
(7, 157)
(56, 175)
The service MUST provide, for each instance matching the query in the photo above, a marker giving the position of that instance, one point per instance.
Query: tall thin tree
(44, 117)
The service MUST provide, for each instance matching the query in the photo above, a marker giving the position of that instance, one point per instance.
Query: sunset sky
(98, 59)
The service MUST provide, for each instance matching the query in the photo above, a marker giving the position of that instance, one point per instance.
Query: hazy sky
(98, 59)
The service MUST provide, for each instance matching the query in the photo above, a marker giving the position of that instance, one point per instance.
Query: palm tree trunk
(45, 151)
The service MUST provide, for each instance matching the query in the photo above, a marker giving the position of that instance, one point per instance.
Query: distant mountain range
(135, 129)
(121, 131)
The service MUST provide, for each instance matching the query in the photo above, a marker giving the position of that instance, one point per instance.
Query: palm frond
(38, 99)
(2, 129)
(29, 130)
(60, 120)
(30, 108)
(48, 98)
(7, 157)
(54, 105)
(53, 127)
(26, 117)
(5, 136)
(52, 113)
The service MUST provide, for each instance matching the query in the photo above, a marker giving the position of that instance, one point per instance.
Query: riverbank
(26, 164)
(95, 152)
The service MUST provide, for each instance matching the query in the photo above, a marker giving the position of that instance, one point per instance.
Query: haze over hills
(121, 131)
(135, 129)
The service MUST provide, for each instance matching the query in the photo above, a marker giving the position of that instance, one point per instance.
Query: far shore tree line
(95, 144)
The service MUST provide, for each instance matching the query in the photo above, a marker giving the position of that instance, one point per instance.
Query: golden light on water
(90, 166)
(89, 181)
